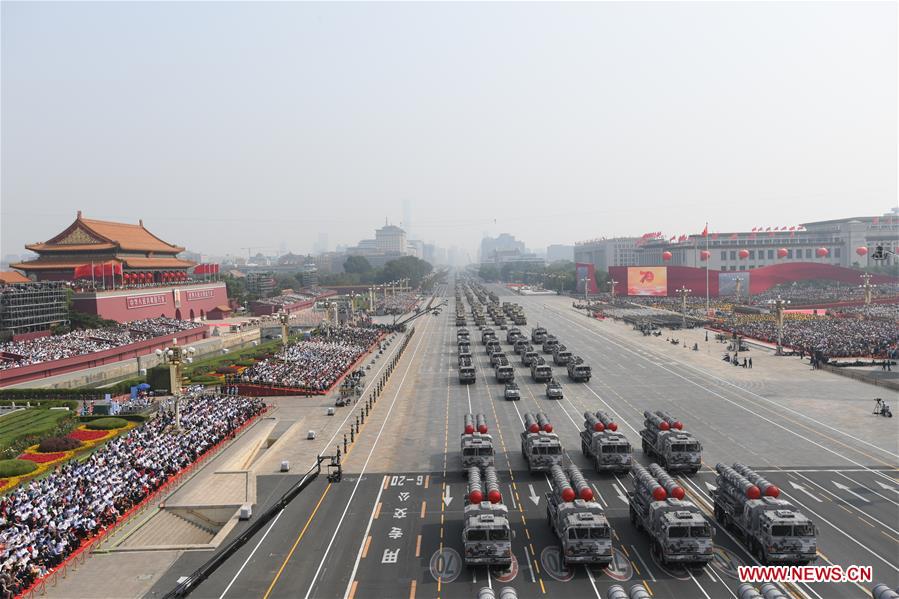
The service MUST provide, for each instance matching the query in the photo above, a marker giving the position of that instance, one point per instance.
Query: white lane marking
(802, 489)
(371, 518)
(512, 497)
(252, 553)
(756, 414)
(364, 467)
(693, 578)
(592, 582)
(468, 391)
(854, 507)
(747, 391)
(843, 487)
(643, 563)
(887, 487)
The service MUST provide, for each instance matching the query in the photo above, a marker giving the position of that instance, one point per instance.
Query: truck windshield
(682, 447)
(781, 531)
(700, 532)
(804, 530)
(499, 534)
(476, 535)
(623, 449)
(552, 450)
(678, 532)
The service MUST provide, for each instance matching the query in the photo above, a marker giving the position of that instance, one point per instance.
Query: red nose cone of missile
(482, 429)
(476, 497)
(772, 491)
(753, 492)
(678, 425)
(659, 494)
(548, 428)
(469, 428)
(535, 428)
(678, 493)
(663, 426)
(613, 426)
(568, 494)
(494, 496)
(586, 494)
(598, 427)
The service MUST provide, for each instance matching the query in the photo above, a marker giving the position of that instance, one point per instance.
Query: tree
(407, 267)
(357, 264)
(488, 272)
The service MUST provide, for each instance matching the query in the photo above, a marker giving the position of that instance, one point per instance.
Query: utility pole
(175, 357)
(684, 292)
(284, 318)
(779, 311)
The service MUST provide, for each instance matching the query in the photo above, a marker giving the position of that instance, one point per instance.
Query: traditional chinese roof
(95, 235)
(8, 277)
(165, 262)
(50, 263)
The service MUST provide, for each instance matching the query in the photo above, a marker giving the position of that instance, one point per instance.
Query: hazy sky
(226, 125)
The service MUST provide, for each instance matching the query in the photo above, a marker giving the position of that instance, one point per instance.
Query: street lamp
(684, 292)
(284, 318)
(175, 356)
(779, 310)
(585, 280)
(612, 283)
(867, 286)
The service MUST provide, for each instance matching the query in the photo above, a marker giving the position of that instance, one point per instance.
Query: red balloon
(666, 256)
(822, 252)
(861, 250)
(782, 252)
(704, 255)
(744, 254)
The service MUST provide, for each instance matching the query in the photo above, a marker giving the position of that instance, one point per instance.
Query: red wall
(125, 305)
(22, 374)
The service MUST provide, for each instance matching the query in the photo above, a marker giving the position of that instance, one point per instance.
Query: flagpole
(707, 260)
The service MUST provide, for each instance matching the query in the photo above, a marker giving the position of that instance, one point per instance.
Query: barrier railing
(88, 546)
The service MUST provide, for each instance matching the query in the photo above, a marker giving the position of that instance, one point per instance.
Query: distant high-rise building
(503, 243)
(603, 253)
(557, 252)
(391, 239)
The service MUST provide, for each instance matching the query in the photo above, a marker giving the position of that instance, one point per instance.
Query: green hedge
(69, 394)
(107, 424)
(139, 418)
(10, 468)
(42, 403)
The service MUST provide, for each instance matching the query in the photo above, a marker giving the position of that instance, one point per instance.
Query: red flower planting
(42, 458)
(85, 435)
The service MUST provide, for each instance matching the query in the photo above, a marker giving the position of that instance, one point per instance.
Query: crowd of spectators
(44, 521)
(14, 354)
(399, 303)
(316, 364)
(832, 337)
(810, 293)
(875, 311)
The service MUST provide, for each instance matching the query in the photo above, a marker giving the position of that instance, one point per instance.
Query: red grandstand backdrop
(586, 274)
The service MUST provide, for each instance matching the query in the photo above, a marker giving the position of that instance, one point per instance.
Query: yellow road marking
(297, 542)
(353, 589)
(418, 547)
(365, 549)
(424, 508)
(412, 590)
(648, 590)
(377, 511)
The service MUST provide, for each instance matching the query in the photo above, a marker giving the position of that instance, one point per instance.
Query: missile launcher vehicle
(772, 529)
(512, 334)
(538, 335)
(550, 344)
(602, 444)
(486, 534)
(476, 443)
(584, 534)
(540, 446)
(561, 355)
(664, 439)
(540, 370)
(678, 531)
(578, 370)
(521, 345)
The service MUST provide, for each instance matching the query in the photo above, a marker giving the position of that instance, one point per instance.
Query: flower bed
(44, 458)
(86, 435)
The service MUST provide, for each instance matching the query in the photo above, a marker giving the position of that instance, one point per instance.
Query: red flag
(753, 229)
(705, 231)
(672, 238)
(792, 228)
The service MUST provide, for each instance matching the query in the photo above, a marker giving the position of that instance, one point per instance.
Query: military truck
(476, 444)
(678, 532)
(561, 355)
(579, 522)
(504, 372)
(512, 391)
(497, 358)
(519, 319)
(549, 344)
(538, 335)
(513, 334)
(553, 389)
(487, 333)
(486, 534)
(578, 371)
(467, 374)
(521, 345)
(664, 439)
(463, 335)
(528, 357)
(493, 347)
(771, 528)
(540, 370)
(540, 446)
(602, 444)
(460, 321)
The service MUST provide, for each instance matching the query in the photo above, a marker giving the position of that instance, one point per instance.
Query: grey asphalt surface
(392, 527)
